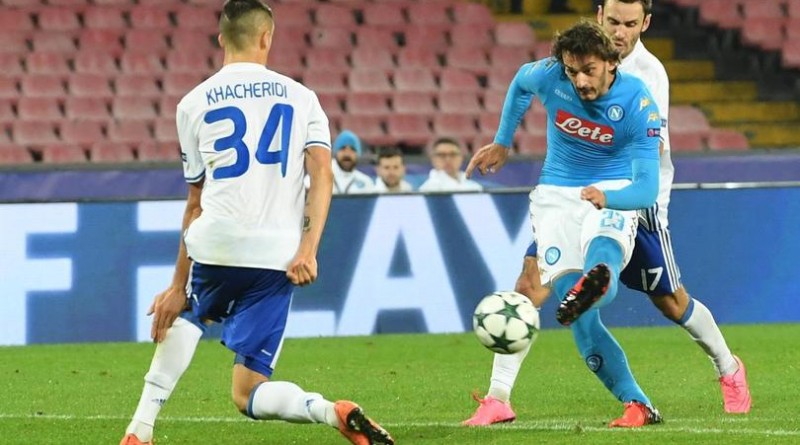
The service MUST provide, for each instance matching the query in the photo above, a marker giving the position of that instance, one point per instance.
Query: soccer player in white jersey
(652, 259)
(248, 136)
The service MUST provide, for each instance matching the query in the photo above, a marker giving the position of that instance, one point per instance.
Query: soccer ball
(505, 322)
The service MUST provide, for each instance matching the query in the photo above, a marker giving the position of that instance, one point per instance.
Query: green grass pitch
(417, 386)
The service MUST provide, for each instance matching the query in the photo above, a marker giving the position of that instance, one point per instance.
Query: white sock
(504, 373)
(705, 332)
(287, 401)
(170, 361)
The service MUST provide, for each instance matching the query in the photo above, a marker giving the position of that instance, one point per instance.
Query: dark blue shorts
(252, 305)
(652, 268)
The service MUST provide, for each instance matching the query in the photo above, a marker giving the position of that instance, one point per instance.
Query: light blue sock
(604, 356)
(605, 250)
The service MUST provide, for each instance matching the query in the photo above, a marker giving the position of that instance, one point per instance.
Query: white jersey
(440, 181)
(350, 183)
(644, 65)
(381, 187)
(245, 130)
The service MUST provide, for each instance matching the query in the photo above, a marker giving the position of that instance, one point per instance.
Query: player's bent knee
(670, 306)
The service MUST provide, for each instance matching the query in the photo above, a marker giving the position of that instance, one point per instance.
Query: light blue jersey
(587, 141)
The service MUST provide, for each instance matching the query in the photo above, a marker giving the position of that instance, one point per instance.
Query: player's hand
(595, 196)
(165, 309)
(489, 159)
(302, 270)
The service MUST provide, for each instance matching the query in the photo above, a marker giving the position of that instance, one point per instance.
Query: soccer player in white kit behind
(248, 136)
(652, 268)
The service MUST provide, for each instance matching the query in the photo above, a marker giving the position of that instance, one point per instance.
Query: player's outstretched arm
(170, 303)
(303, 268)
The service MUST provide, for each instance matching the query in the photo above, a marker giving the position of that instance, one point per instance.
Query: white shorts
(564, 225)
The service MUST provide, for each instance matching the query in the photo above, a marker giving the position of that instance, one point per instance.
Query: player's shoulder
(647, 65)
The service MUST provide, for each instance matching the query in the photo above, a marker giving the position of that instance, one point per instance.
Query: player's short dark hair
(238, 20)
(445, 140)
(585, 38)
(389, 152)
(647, 5)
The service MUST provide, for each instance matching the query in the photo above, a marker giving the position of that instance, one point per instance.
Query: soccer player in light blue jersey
(652, 269)
(248, 137)
(601, 166)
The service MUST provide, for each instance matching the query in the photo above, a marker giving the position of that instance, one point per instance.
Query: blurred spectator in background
(447, 156)
(346, 178)
(391, 171)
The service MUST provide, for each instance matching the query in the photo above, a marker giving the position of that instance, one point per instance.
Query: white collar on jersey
(242, 66)
(638, 49)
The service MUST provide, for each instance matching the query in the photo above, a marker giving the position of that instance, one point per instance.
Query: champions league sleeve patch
(653, 132)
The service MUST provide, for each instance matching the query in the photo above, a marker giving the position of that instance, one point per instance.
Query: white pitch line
(543, 425)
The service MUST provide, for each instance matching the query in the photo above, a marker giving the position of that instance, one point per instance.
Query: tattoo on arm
(306, 223)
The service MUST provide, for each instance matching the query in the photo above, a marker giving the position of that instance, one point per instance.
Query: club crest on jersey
(615, 113)
(584, 129)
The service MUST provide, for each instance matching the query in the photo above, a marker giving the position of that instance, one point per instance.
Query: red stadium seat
(194, 40)
(168, 105)
(469, 59)
(427, 37)
(687, 119)
(461, 125)
(535, 119)
(418, 57)
(369, 81)
(372, 58)
(516, 34)
(334, 16)
(368, 128)
(791, 54)
(793, 8)
(94, 63)
(178, 84)
(682, 142)
(165, 130)
(12, 65)
(331, 105)
(56, 42)
(63, 154)
(793, 30)
(15, 20)
(153, 152)
(532, 144)
(459, 102)
(87, 108)
(458, 80)
(129, 131)
(387, 16)
(192, 17)
(108, 152)
(58, 19)
(102, 41)
(90, 85)
(114, 2)
(721, 13)
(39, 109)
(9, 89)
(295, 37)
(415, 79)
(15, 156)
(42, 85)
(374, 37)
(411, 129)
(47, 63)
(140, 63)
(150, 17)
(409, 102)
(468, 36)
(488, 123)
(493, 100)
(339, 38)
(369, 104)
(136, 85)
(472, 14)
(133, 108)
(104, 18)
(760, 9)
(766, 33)
(323, 82)
(333, 60)
(13, 42)
(727, 139)
(188, 62)
(81, 132)
(147, 41)
(428, 13)
(32, 133)
(7, 115)
(508, 58)
(290, 14)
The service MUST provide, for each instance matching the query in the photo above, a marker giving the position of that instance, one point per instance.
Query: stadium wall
(85, 272)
